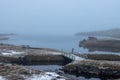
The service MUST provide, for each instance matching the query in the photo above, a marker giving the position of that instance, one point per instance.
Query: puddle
(45, 67)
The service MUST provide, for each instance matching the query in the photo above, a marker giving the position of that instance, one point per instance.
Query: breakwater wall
(36, 59)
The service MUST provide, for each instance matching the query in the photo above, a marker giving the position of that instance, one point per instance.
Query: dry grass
(109, 57)
(97, 63)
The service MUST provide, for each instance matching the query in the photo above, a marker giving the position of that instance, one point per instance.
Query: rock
(15, 72)
(93, 68)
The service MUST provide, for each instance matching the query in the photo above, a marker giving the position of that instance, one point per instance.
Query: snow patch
(45, 76)
(11, 52)
(74, 57)
(2, 78)
(56, 53)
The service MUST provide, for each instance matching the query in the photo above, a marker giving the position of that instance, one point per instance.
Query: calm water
(65, 43)
(45, 67)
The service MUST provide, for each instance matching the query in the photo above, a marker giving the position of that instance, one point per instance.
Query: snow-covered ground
(11, 53)
(2, 78)
(74, 57)
(45, 76)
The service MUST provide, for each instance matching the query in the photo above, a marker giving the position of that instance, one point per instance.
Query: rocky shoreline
(17, 72)
(103, 66)
(12, 57)
(92, 68)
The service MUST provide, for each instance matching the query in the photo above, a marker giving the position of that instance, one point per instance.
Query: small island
(94, 44)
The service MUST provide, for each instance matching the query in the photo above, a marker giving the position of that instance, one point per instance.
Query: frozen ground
(11, 53)
(45, 76)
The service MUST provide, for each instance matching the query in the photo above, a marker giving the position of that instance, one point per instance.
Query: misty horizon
(59, 17)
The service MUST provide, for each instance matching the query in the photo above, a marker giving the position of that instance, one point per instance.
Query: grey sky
(58, 16)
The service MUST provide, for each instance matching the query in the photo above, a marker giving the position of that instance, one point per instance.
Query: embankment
(93, 68)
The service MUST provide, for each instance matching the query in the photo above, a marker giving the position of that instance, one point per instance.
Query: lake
(65, 43)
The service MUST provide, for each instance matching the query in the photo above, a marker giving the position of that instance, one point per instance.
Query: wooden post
(72, 50)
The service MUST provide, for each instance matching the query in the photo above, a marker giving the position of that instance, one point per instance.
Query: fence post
(72, 50)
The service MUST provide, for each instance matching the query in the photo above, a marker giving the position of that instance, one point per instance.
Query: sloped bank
(94, 68)
(36, 59)
(44, 59)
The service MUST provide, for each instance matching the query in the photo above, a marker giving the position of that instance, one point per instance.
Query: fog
(58, 17)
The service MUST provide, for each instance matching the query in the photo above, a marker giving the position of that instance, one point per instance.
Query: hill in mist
(110, 33)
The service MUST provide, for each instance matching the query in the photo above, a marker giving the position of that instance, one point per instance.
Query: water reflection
(45, 67)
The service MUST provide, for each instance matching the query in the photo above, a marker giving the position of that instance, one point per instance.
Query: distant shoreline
(115, 33)
(5, 36)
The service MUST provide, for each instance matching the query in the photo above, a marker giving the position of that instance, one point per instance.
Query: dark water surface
(45, 67)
